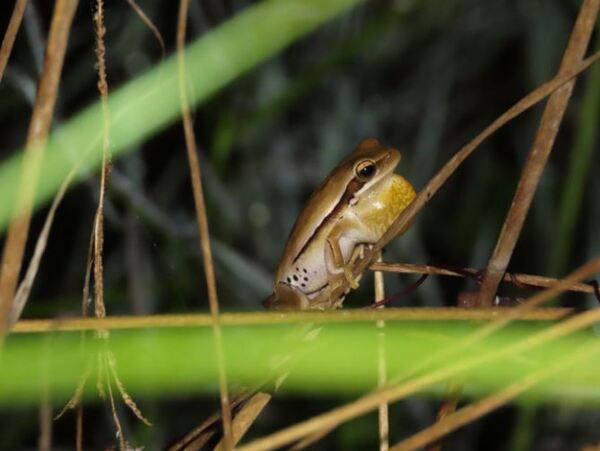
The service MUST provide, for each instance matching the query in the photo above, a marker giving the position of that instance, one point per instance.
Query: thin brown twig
(371, 401)
(538, 155)
(45, 437)
(270, 318)
(99, 306)
(248, 413)
(126, 397)
(142, 15)
(107, 368)
(113, 407)
(41, 119)
(524, 279)
(202, 433)
(447, 408)
(45, 412)
(480, 408)
(458, 158)
(79, 428)
(196, 176)
(383, 410)
(85, 296)
(22, 294)
(11, 34)
(310, 440)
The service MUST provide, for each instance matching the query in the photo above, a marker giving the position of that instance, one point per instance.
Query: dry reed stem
(41, 120)
(371, 401)
(484, 406)
(200, 441)
(100, 32)
(148, 22)
(77, 395)
(518, 278)
(107, 370)
(11, 34)
(249, 412)
(272, 318)
(196, 176)
(447, 408)
(26, 284)
(79, 428)
(45, 417)
(538, 155)
(459, 157)
(101, 376)
(45, 410)
(126, 397)
(310, 440)
(85, 296)
(113, 409)
(205, 429)
(383, 410)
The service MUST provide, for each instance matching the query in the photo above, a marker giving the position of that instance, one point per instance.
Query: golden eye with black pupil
(365, 170)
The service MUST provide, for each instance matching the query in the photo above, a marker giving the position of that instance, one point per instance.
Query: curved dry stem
(383, 410)
(100, 32)
(153, 28)
(518, 278)
(196, 176)
(539, 153)
(11, 34)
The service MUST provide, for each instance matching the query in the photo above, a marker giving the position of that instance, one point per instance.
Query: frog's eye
(365, 170)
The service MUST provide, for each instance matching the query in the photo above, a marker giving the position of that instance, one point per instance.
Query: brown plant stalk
(516, 278)
(196, 176)
(383, 410)
(270, 318)
(148, 22)
(100, 32)
(22, 294)
(37, 134)
(11, 34)
(539, 153)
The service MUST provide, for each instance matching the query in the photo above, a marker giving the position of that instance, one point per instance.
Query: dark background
(423, 76)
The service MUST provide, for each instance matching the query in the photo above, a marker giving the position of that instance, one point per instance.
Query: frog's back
(303, 265)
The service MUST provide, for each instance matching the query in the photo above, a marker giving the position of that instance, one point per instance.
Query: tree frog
(351, 209)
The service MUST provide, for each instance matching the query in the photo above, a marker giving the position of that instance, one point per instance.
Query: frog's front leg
(334, 260)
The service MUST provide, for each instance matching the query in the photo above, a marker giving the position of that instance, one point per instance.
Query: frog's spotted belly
(309, 273)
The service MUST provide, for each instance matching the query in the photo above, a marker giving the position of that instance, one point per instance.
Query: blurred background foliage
(424, 76)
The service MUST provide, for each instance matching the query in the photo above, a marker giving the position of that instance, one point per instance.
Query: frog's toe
(353, 281)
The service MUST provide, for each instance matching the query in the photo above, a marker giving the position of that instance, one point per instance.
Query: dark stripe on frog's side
(351, 189)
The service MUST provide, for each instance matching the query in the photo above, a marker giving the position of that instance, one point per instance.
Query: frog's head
(370, 163)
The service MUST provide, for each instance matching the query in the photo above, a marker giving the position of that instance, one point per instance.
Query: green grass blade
(149, 103)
